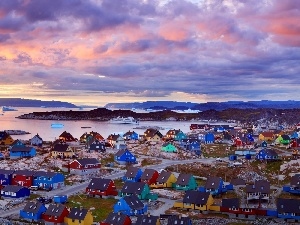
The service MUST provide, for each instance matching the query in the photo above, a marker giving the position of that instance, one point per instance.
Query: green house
(186, 182)
(142, 190)
(180, 136)
(283, 139)
(168, 147)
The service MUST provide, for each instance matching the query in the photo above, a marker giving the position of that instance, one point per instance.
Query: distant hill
(20, 102)
(264, 104)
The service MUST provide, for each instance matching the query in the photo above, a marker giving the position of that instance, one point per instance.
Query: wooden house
(153, 135)
(17, 143)
(101, 187)
(116, 140)
(147, 220)
(84, 166)
(192, 145)
(149, 176)
(62, 150)
(131, 206)
(267, 154)
(124, 156)
(33, 210)
(176, 135)
(141, 190)
(295, 143)
(36, 140)
(185, 182)
(15, 191)
(6, 177)
(79, 216)
(117, 219)
(266, 136)
(260, 190)
(209, 138)
(55, 214)
(97, 146)
(179, 219)
(288, 208)
(214, 185)
(133, 174)
(168, 147)
(22, 152)
(67, 137)
(294, 187)
(23, 178)
(48, 180)
(165, 180)
(195, 200)
(5, 138)
(131, 135)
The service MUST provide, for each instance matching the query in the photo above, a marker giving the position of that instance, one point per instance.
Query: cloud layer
(137, 50)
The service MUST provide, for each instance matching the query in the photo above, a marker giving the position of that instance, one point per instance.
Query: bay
(8, 121)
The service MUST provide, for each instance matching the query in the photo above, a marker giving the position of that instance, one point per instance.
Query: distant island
(21, 102)
(173, 105)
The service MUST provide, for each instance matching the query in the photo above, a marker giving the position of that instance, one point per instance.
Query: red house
(295, 143)
(149, 176)
(67, 137)
(84, 166)
(101, 187)
(23, 178)
(55, 214)
(238, 142)
(117, 218)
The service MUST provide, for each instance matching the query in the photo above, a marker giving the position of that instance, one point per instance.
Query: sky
(93, 52)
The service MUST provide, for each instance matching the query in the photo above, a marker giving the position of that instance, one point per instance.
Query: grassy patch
(119, 183)
(102, 206)
(33, 196)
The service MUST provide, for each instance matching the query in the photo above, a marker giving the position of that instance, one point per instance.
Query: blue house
(48, 180)
(17, 143)
(209, 138)
(192, 145)
(133, 174)
(6, 176)
(214, 185)
(288, 208)
(294, 187)
(15, 191)
(267, 154)
(131, 206)
(264, 144)
(21, 152)
(178, 219)
(124, 156)
(33, 210)
(97, 146)
(294, 135)
(131, 135)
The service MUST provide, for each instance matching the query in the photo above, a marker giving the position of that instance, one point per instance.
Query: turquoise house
(168, 147)
(186, 182)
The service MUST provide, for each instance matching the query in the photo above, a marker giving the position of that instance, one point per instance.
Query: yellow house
(266, 136)
(62, 150)
(165, 180)
(153, 135)
(5, 138)
(79, 216)
(147, 219)
(195, 200)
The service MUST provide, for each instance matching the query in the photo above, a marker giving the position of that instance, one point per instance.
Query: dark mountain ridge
(21, 102)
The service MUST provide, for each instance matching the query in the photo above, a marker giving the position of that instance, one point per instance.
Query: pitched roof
(288, 205)
(134, 202)
(133, 187)
(20, 149)
(178, 219)
(147, 174)
(231, 202)
(61, 147)
(32, 206)
(295, 180)
(196, 197)
(132, 171)
(267, 134)
(121, 152)
(183, 179)
(261, 186)
(55, 210)
(25, 172)
(99, 183)
(163, 177)
(238, 181)
(270, 152)
(12, 188)
(146, 220)
(212, 182)
(114, 137)
(88, 161)
(77, 213)
(44, 174)
(3, 171)
(116, 218)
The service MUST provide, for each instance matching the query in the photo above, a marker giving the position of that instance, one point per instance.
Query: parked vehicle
(44, 200)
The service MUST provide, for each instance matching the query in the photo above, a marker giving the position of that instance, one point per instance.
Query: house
(295, 143)
(209, 138)
(214, 185)
(266, 136)
(36, 140)
(79, 216)
(284, 139)
(152, 135)
(131, 135)
(267, 154)
(67, 137)
(116, 140)
(48, 180)
(264, 144)
(147, 220)
(62, 150)
(294, 187)
(131, 206)
(15, 191)
(17, 143)
(117, 219)
(23, 178)
(97, 146)
(33, 210)
(84, 166)
(180, 220)
(55, 214)
(244, 152)
(288, 208)
(133, 174)
(176, 135)
(141, 190)
(22, 152)
(186, 182)
(192, 145)
(294, 135)
(101, 187)
(260, 190)
(238, 182)
(124, 156)
(195, 200)
(149, 176)
(5, 138)
(6, 176)
(165, 180)
(168, 147)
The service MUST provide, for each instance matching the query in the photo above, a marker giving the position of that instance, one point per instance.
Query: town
(210, 174)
